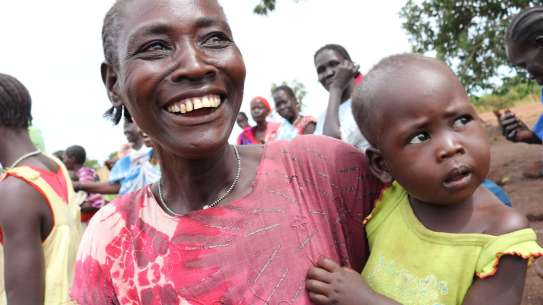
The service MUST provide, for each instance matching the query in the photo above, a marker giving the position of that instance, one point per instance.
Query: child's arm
(504, 288)
(329, 283)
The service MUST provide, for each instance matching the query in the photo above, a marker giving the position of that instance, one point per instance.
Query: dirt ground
(509, 160)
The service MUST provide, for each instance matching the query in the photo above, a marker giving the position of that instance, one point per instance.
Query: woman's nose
(190, 64)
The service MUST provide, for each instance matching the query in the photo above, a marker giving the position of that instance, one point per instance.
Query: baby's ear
(378, 166)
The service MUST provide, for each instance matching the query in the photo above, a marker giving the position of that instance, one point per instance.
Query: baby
(436, 236)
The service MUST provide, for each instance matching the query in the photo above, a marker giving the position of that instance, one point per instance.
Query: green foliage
(113, 155)
(467, 34)
(92, 163)
(266, 6)
(514, 90)
(299, 90)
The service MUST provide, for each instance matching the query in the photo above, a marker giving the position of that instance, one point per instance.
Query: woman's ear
(378, 166)
(109, 78)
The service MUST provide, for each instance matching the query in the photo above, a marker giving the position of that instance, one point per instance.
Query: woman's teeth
(194, 103)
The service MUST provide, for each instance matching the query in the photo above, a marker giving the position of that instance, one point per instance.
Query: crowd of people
(386, 203)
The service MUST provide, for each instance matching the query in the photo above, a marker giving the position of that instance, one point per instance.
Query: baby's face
(432, 140)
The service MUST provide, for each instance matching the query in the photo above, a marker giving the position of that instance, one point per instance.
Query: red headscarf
(263, 101)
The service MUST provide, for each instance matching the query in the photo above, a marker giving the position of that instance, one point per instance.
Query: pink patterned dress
(308, 201)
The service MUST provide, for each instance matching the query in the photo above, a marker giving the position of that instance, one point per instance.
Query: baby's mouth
(457, 177)
(195, 106)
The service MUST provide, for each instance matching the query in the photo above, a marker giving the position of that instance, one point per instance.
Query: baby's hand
(329, 283)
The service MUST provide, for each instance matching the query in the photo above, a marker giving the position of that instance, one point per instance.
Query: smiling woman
(225, 225)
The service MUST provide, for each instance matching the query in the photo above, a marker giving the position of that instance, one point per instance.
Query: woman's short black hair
(334, 47)
(286, 89)
(15, 103)
(243, 114)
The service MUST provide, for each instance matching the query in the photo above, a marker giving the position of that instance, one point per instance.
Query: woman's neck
(138, 144)
(189, 184)
(14, 143)
(261, 126)
(294, 118)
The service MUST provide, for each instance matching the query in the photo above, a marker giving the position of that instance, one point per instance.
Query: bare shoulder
(499, 218)
(18, 201)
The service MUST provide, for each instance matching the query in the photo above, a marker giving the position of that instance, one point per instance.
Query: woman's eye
(153, 50)
(462, 121)
(217, 40)
(419, 138)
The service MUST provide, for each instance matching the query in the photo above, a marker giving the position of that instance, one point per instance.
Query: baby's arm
(329, 283)
(506, 286)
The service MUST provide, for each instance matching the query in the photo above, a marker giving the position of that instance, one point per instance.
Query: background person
(264, 131)
(242, 120)
(74, 159)
(288, 107)
(339, 75)
(127, 175)
(524, 46)
(40, 226)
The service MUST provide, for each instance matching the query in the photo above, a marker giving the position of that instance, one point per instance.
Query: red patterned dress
(308, 201)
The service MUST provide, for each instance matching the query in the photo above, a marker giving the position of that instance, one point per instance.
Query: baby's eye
(419, 138)
(462, 121)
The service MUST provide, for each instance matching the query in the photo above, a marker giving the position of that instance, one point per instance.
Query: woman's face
(528, 56)
(259, 111)
(326, 63)
(180, 74)
(285, 105)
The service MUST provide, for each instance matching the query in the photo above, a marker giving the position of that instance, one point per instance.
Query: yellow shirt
(60, 247)
(416, 266)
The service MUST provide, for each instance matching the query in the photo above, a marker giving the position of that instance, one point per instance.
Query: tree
(299, 90)
(266, 6)
(467, 34)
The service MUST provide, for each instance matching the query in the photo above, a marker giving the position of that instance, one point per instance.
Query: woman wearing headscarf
(264, 131)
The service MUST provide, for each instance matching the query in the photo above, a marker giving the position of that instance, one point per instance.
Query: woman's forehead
(182, 12)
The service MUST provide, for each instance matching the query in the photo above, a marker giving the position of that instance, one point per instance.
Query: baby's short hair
(366, 97)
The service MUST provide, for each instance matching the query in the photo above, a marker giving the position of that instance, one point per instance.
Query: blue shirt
(134, 171)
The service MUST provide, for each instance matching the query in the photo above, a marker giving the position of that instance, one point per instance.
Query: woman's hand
(329, 283)
(345, 73)
(516, 130)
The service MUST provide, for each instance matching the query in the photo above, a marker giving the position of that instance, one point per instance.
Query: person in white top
(339, 76)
